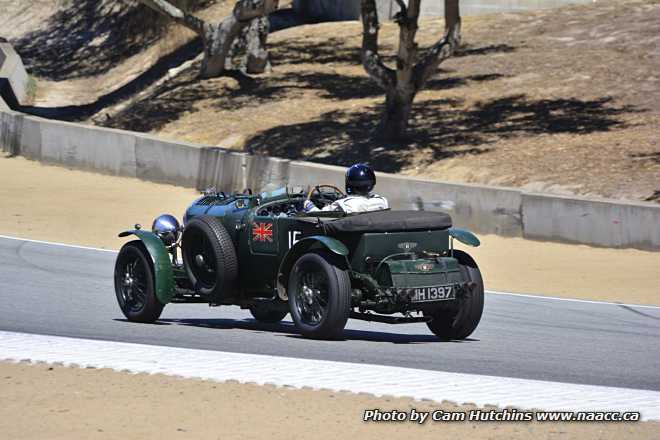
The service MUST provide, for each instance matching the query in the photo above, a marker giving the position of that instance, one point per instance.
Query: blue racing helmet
(360, 179)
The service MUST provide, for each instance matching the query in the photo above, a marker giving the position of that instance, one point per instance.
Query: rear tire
(267, 314)
(134, 284)
(209, 258)
(319, 293)
(461, 322)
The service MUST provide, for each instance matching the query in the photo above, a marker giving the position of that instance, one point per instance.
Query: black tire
(318, 277)
(135, 285)
(267, 314)
(209, 258)
(460, 322)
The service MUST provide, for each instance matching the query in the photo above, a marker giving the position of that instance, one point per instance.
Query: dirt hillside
(563, 100)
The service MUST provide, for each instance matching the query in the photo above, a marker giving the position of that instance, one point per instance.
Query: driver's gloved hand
(308, 206)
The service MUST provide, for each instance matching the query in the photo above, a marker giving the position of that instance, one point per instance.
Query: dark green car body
(399, 272)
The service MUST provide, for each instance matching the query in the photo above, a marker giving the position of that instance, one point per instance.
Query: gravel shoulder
(67, 403)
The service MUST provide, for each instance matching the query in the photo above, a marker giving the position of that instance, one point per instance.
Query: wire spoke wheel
(134, 284)
(319, 291)
(312, 295)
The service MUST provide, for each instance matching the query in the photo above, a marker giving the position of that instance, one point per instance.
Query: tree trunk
(398, 108)
(218, 38)
(252, 44)
(257, 38)
(399, 99)
(401, 85)
(452, 15)
(217, 44)
(444, 48)
(371, 60)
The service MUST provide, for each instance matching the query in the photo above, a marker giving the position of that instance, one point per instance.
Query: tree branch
(403, 8)
(407, 53)
(444, 48)
(176, 14)
(218, 38)
(247, 10)
(371, 60)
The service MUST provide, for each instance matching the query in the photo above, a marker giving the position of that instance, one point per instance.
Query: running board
(388, 319)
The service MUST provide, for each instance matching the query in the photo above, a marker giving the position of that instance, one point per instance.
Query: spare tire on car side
(209, 258)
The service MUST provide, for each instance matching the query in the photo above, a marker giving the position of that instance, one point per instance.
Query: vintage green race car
(263, 253)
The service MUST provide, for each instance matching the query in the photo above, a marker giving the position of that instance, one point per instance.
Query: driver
(360, 180)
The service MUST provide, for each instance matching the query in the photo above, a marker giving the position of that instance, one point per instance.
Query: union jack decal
(262, 232)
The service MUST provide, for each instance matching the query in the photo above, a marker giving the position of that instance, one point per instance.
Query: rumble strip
(339, 376)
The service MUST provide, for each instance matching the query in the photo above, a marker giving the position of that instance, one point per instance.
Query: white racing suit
(351, 204)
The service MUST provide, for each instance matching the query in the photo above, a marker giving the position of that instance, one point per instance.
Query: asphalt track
(67, 291)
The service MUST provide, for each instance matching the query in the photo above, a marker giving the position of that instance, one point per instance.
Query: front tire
(134, 284)
(460, 322)
(319, 293)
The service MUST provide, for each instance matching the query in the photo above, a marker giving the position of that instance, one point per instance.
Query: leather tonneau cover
(390, 221)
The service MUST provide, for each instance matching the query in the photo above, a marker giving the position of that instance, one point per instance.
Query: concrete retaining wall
(323, 10)
(580, 220)
(335, 10)
(485, 209)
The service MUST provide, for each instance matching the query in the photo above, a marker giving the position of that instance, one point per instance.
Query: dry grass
(563, 100)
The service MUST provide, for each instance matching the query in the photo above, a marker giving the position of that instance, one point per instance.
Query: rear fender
(162, 265)
(303, 246)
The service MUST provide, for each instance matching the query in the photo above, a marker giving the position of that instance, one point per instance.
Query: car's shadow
(289, 330)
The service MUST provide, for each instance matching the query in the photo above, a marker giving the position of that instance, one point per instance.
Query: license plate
(433, 293)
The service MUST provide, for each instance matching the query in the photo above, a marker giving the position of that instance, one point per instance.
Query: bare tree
(413, 69)
(251, 41)
(219, 38)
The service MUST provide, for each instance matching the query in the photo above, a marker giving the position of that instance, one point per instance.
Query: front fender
(305, 245)
(162, 265)
(464, 236)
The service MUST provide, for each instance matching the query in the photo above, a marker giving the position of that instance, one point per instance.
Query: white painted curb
(358, 378)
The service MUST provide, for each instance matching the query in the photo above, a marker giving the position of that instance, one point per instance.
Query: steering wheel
(325, 196)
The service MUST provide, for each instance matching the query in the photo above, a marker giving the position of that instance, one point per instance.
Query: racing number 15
(294, 237)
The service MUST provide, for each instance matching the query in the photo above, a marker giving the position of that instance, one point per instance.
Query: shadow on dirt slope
(171, 100)
(342, 137)
(168, 102)
(651, 158)
(75, 113)
(89, 37)
(337, 50)
(179, 95)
